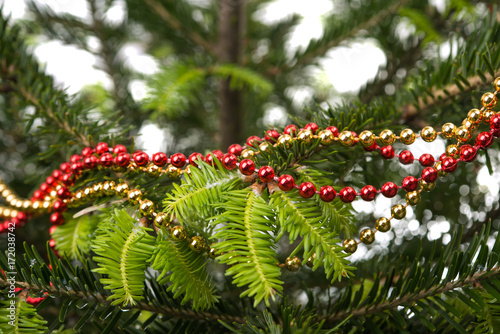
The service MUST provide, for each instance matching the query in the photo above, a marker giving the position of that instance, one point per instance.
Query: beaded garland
(54, 195)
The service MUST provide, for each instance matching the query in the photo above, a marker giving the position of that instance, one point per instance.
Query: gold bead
(452, 151)
(109, 188)
(367, 236)
(153, 170)
(427, 186)
(173, 172)
(326, 137)
(161, 219)
(132, 167)
(398, 211)
(293, 264)
(146, 207)
(475, 115)
(487, 115)
(305, 136)
(428, 134)
(134, 196)
(6, 212)
(248, 154)
(407, 136)
(88, 192)
(413, 197)
(383, 224)
(178, 233)
(197, 243)
(496, 84)
(121, 189)
(46, 205)
(6, 192)
(468, 124)
(10, 199)
(439, 168)
(13, 213)
(350, 245)
(448, 130)
(213, 252)
(489, 100)
(387, 137)
(27, 205)
(462, 134)
(78, 198)
(98, 189)
(285, 141)
(346, 138)
(310, 260)
(265, 147)
(366, 138)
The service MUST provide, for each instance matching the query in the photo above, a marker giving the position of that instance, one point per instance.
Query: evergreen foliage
(115, 269)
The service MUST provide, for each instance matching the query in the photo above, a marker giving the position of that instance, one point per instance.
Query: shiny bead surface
(102, 148)
(462, 134)
(153, 170)
(307, 190)
(489, 100)
(406, 157)
(178, 160)
(327, 193)
(286, 182)
(211, 157)
(487, 115)
(496, 84)
(383, 224)
(410, 183)
(407, 136)
(229, 161)
(253, 141)
(197, 244)
(59, 206)
(426, 160)
(161, 219)
(235, 149)
(146, 207)
(266, 174)
(398, 211)
(265, 147)
(346, 139)
(56, 218)
(427, 186)
(141, 158)
(285, 141)
(366, 138)
(428, 134)
(429, 174)
(291, 130)
(178, 233)
(313, 127)
(387, 137)
(452, 150)
(272, 136)
(159, 159)
(449, 165)
(293, 263)
(448, 130)
(389, 189)
(368, 193)
(387, 152)
(468, 124)
(106, 160)
(173, 172)
(468, 153)
(484, 140)
(367, 236)
(134, 196)
(474, 115)
(305, 136)
(109, 188)
(350, 245)
(333, 130)
(247, 167)
(194, 158)
(326, 137)
(118, 149)
(122, 159)
(248, 154)
(310, 260)
(413, 197)
(347, 194)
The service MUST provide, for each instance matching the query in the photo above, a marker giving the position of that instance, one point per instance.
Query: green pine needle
(23, 319)
(75, 235)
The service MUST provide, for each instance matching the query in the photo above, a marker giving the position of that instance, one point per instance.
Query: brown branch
(177, 25)
(443, 95)
(409, 299)
(169, 311)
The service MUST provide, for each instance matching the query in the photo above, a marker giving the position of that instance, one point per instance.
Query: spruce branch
(421, 295)
(175, 24)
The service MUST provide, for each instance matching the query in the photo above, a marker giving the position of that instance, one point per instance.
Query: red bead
(90, 162)
(387, 152)
(449, 164)
(65, 167)
(286, 182)
(235, 149)
(347, 194)
(429, 174)
(495, 122)
(312, 126)
(106, 160)
(195, 156)
(266, 174)
(52, 243)
(38, 194)
(215, 154)
(307, 189)
(34, 301)
(468, 153)
(87, 151)
(247, 167)
(23, 217)
(102, 148)
(63, 193)
(372, 147)
(410, 183)
(333, 130)
(291, 130)
(119, 149)
(68, 179)
(484, 140)
(253, 141)
(272, 136)
(406, 157)
(56, 218)
(426, 160)
(122, 159)
(52, 229)
(56, 174)
(50, 180)
(354, 134)
(389, 189)
(140, 158)
(76, 168)
(229, 161)
(442, 156)
(44, 187)
(327, 193)
(178, 160)
(14, 221)
(159, 159)
(368, 193)
(75, 158)
(59, 206)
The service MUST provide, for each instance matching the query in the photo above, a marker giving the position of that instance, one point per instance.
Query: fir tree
(262, 238)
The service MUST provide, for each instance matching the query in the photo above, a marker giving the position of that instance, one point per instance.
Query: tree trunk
(229, 51)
